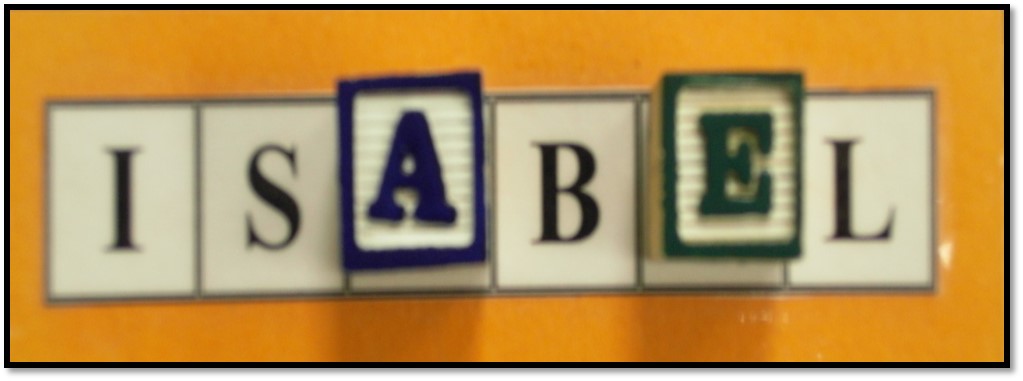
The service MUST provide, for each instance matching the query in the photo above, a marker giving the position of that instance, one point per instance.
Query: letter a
(412, 138)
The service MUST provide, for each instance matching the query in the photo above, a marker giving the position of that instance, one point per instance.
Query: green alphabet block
(723, 166)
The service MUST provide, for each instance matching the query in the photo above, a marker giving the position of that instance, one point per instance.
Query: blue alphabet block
(412, 171)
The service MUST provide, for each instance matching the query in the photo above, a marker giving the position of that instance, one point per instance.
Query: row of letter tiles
(195, 212)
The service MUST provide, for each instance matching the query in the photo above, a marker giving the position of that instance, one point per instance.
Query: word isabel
(422, 184)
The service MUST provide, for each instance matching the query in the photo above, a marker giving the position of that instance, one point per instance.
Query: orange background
(213, 54)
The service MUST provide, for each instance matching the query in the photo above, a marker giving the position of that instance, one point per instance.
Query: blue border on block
(353, 256)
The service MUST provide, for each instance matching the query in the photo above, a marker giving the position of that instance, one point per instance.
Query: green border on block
(670, 86)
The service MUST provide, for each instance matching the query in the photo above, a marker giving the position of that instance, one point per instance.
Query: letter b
(549, 191)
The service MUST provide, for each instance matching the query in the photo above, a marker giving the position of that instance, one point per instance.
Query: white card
(605, 128)
(253, 246)
(152, 147)
(891, 179)
(453, 277)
